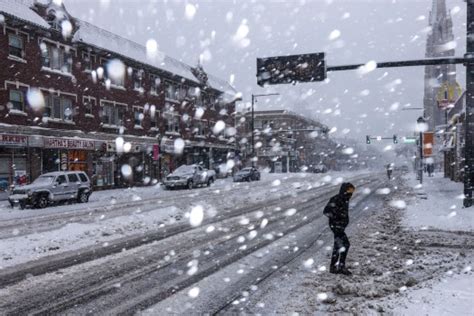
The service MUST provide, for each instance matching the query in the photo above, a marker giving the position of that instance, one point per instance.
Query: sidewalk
(439, 205)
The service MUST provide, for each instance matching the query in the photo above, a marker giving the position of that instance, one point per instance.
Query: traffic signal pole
(469, 116)
(285, 70)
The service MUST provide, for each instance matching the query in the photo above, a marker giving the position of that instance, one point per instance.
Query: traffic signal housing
(395, 139)
(367, 139)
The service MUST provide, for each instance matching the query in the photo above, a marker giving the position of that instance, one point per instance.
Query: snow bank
(438, 205)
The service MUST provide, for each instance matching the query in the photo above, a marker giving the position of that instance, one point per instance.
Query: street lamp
(421, 126)
(254, 99)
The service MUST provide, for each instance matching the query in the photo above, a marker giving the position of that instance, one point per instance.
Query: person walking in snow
(337, 210)
(389, 171)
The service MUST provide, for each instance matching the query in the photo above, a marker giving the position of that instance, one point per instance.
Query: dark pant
(341, 247)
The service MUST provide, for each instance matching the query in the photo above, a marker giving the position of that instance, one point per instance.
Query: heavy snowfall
(133, 183)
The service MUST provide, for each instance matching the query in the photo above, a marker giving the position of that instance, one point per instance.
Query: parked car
(247, 174)
(189, 176)
(53, 187)
(320, 169)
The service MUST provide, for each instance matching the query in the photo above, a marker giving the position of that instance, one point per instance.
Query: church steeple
(439, 43)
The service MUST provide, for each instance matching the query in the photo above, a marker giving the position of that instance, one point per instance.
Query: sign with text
(156, 152)
(428, 143)
(16, 140)
(69, 143)
(291, 69)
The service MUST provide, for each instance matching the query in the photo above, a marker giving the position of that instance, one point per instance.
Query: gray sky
(380, 30)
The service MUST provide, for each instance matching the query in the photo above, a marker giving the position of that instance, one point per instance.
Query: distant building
(77, 97)
(440, 43)
(454, 141)
(287, 141)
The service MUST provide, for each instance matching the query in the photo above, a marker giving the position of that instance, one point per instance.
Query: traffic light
(367, 139)
(395, 139)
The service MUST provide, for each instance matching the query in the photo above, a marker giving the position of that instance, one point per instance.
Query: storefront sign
(16, 140)
(69, 143)
(428, 143)
(156, 152)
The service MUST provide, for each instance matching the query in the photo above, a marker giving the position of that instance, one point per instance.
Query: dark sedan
(247, 174)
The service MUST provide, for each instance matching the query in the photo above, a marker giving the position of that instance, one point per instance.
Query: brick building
(76, 97)
(286, 141)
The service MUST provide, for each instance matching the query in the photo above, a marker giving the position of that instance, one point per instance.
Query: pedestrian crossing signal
(367, 139)
(395, 139)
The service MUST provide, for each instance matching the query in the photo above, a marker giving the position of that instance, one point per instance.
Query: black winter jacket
(337, 208)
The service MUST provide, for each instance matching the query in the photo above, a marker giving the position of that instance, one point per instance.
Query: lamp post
(421, 126)
(254, 99)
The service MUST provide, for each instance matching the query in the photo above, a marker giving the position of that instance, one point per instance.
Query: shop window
(56, 57)
(17, 100)
(88, 61)
(155, 82)
(89, 104)
(15, 46)
(72, 177)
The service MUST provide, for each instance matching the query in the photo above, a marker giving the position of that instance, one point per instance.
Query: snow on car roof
(21, 10)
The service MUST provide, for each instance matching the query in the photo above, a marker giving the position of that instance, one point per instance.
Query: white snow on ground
(106, 227)
(439, 206)
(454, 295)
(442, 209)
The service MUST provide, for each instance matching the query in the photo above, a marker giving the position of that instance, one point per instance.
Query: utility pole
(469, 118)
(420, 123)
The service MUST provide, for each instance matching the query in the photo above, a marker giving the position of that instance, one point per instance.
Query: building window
(15, 45)
(155, 82)
(89, 104)
(172, 124)
(112, 114)
(17, 100)
(183, 92)
(199, 128)
(171, 91)
(88, 60)
(138, 116)
(154, 119)
(56, 57)
(137, 79)
(118, 81)
(59, 108)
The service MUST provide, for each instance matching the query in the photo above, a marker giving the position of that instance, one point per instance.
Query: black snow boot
(345, 271)
(333, 269)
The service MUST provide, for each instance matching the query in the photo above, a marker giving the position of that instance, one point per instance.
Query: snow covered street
(238, 247)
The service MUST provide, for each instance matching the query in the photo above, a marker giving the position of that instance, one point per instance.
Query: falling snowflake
(196, 216)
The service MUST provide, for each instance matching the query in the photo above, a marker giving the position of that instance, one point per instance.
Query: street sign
(407, 140)
(291, 69)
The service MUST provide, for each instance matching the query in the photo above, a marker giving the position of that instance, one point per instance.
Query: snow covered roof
(21, 9)
(220, 84)
(100, 38)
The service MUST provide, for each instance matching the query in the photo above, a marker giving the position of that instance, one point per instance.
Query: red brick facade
(75, 99)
